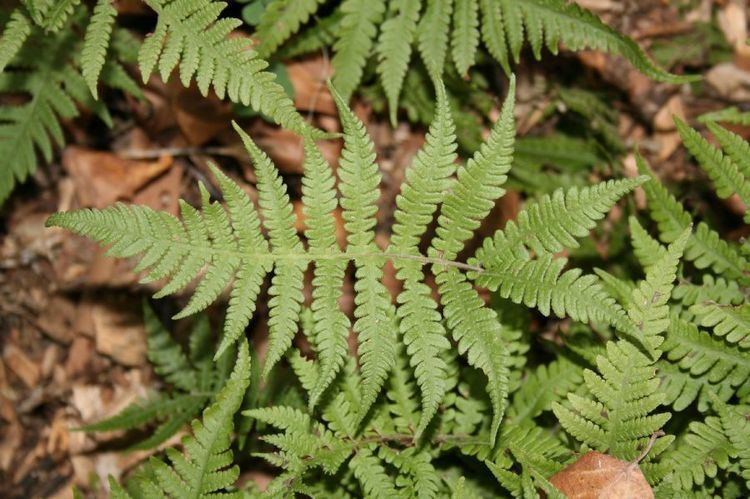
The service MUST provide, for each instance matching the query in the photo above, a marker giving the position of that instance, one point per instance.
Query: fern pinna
(226, 245)
(439, 30)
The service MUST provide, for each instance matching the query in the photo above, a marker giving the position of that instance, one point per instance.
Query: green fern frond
(705, 357)
(699, 455)
(711, 289)
(465, 35)
(56, 13)
(731, 323)
(96, 42)
(542, 387)
(314, 38)
(556, 22)
(737, 429)
(394, 50)
(354, 43)
(727, 115)
(280, 20)
(167, 357)
(425, 482)
(725, 174)
(472, 196)
(734, 146)
(493, 32)
(705, 248)
(618, 419)
(191, 35)
(15, 33)
(42, 70)
(371, 474)
(204, 468)
(647, 250)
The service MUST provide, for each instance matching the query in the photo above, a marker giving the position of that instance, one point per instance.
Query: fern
(17, 30)
(204, 468)
(733, 323)
(96, 42)
(625, 390)
(191, 35)
(438, 27)
(225, 247)
(705, 248)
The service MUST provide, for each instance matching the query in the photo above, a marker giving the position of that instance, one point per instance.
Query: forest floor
(71, 333)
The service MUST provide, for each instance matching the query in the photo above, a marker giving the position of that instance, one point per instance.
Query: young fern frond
(190, 34)
(205, 467)
(618, 418)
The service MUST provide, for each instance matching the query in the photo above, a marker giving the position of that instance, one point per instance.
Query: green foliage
(440, 30)
(220, 247)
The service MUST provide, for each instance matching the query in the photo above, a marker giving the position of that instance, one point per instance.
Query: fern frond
(705, 357)
(734, 146)
(420, 322)
(360, 181)
(355, 40)
(475, 327)
(15, 33)
(699, 455)
(394, 50)
(555, 22)
(618, 418)
(542, 387)
(726, 176)
(432, 34)
(57, 12)
(732, 323)
(166, 355)
(493, 32)
(465, 36)
(425, 480)
(96, 42)
(204, 468)
(737, 429)
(705, 248)
(191, 35)
(280, 20)
(717, 290)
(727, 115)
(371, 474)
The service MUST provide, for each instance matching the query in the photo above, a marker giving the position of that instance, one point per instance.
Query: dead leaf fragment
(21, 365)
(600, 476)
(119, 332)
(101, 178)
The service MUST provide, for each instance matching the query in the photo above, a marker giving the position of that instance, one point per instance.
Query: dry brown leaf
(119, 331)
(200, 118)
(101, 178)
(730, 82)
(23, 367)
(600, 476)
(308, 78)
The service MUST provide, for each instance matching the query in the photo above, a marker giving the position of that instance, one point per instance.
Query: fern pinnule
(733, 146)
(96, 42)
(730, 322)
(15, 33)
(736, 428)
(646, 249)
(394, 50)
(545, 385)
(432, 34)
(427, 179)
(465, 36)
(493, 32)
(355, 40)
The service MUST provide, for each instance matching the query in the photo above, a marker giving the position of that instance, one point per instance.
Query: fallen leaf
(308, 78)
(600, 476)
(730, 82)
(23, 367)
(119, 331)
(101, 178)
(200, 118)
